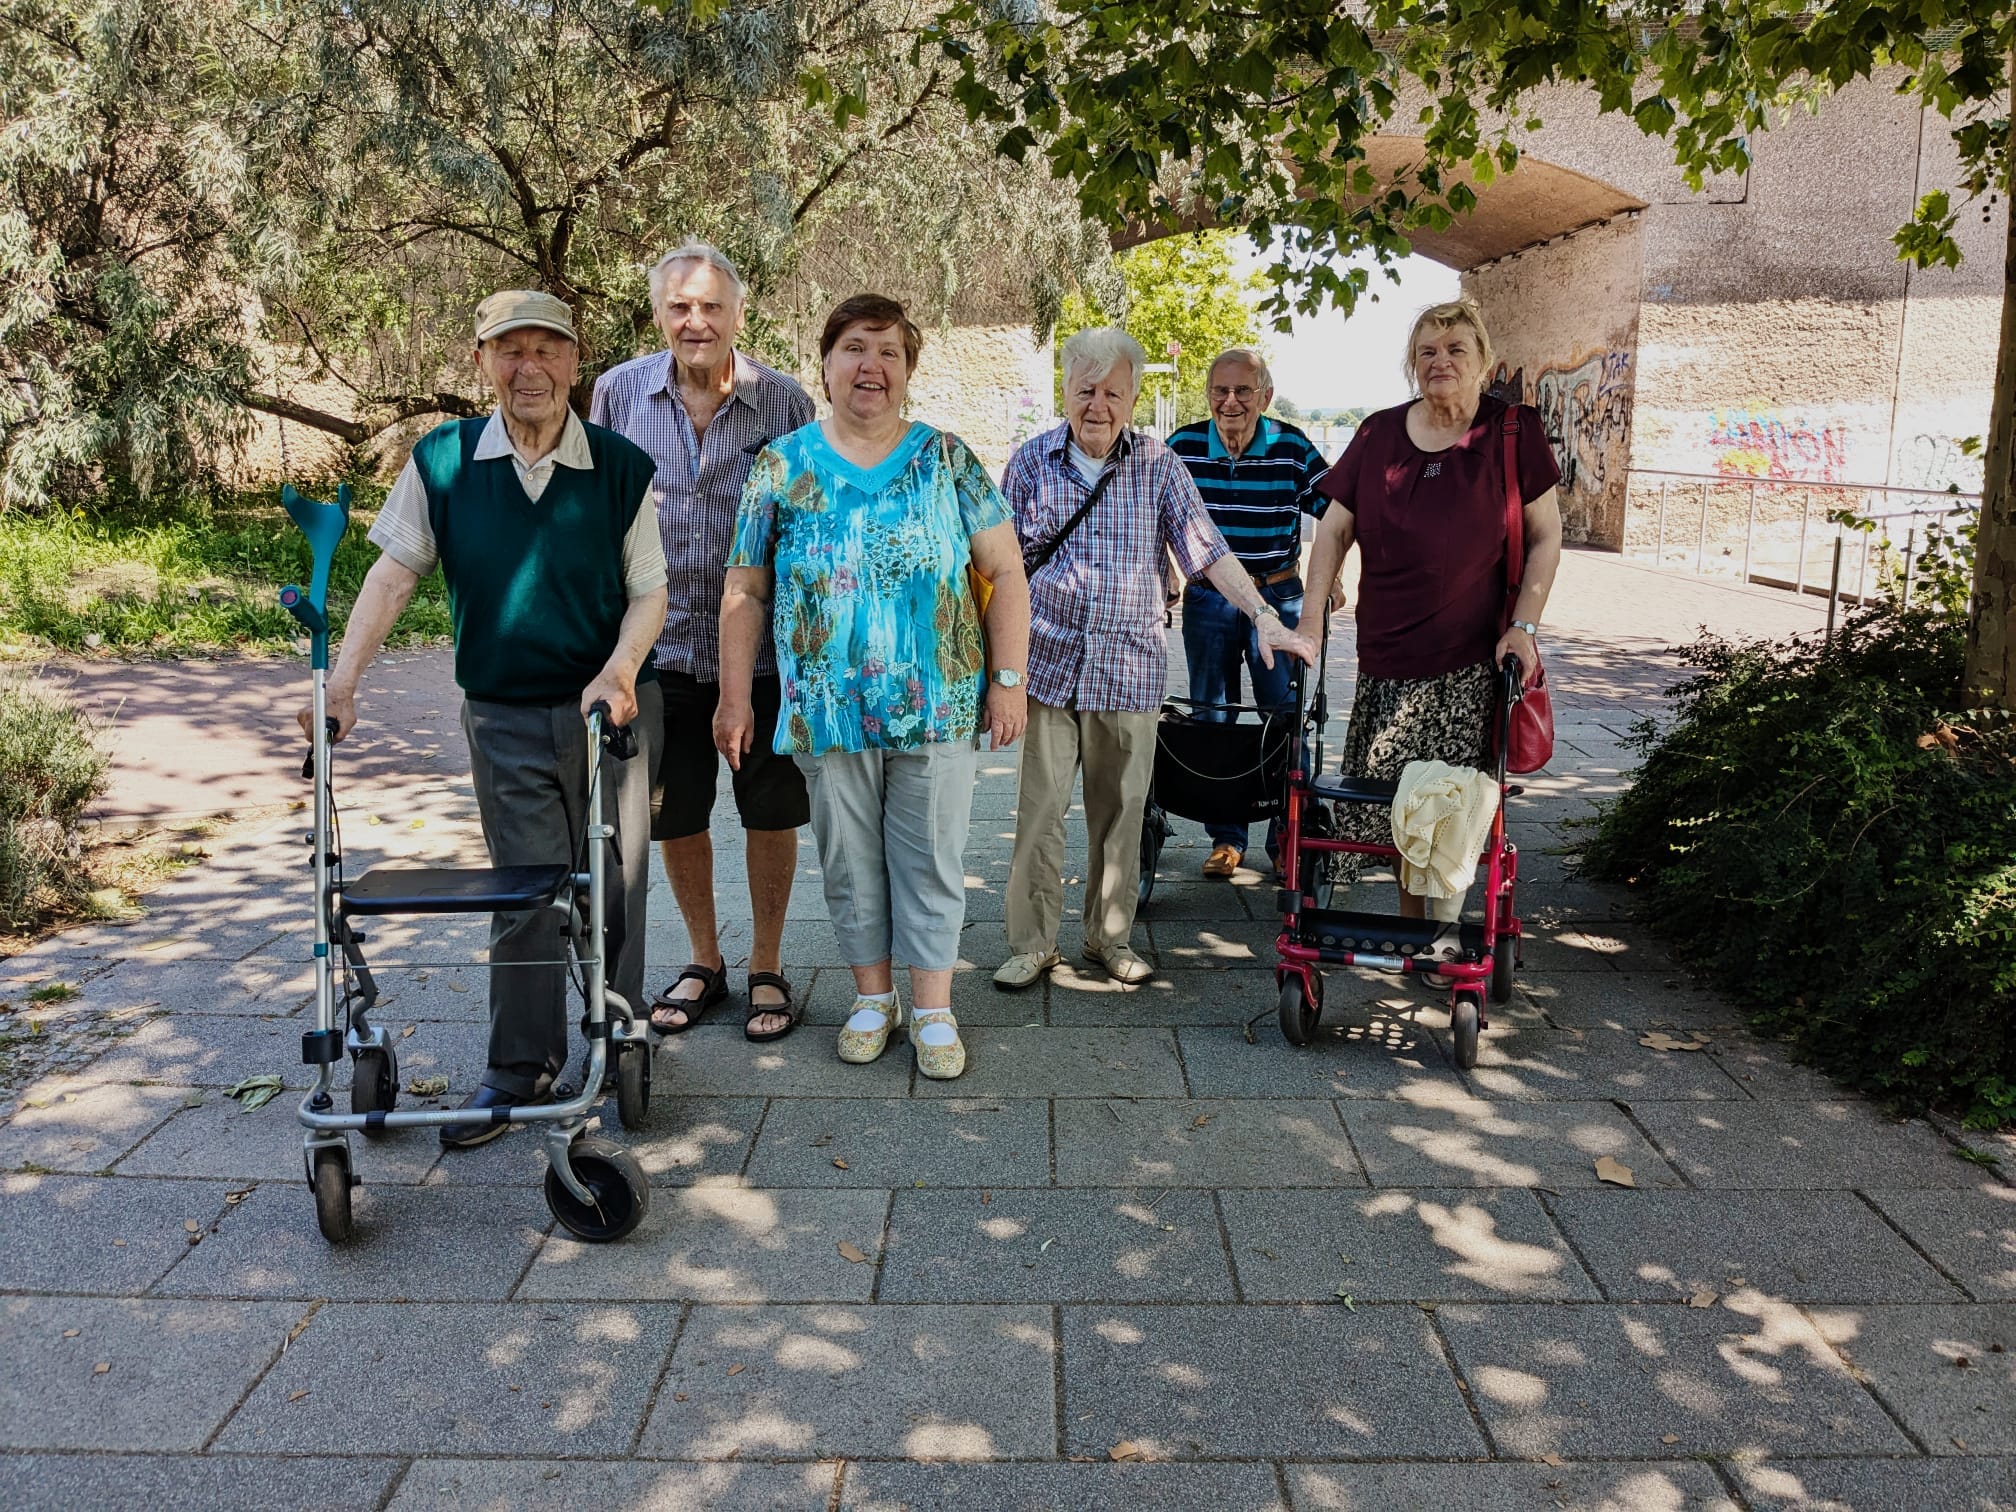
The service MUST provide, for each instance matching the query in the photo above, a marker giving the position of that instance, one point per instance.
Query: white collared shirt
(404, 532)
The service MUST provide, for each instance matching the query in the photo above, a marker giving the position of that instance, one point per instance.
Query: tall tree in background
(1174, 114)
(1182, 291)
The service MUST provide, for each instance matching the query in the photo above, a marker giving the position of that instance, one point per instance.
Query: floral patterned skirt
(1395, 720)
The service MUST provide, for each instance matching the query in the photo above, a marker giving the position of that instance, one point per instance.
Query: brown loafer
(1223, 860)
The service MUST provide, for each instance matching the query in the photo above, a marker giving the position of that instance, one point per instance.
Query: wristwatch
(1266, 611)
(1531, 627)
(1008, 677)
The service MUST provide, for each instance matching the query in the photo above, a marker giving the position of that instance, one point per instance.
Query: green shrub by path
(1829, 840)
(178, 585)
(50, 770)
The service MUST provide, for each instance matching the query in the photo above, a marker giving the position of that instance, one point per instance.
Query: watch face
(1008, 678)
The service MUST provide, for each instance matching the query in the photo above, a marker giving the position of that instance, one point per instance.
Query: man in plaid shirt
(703, 410)
(1098, 649)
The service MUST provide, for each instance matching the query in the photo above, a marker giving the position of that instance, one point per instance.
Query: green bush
(176, 583)
(1832, 843)
(50, 770)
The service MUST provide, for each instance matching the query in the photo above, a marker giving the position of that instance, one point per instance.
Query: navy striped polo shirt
(1258, 498)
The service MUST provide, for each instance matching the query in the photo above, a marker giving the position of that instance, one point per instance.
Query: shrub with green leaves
(1833, 843)
(50, 770)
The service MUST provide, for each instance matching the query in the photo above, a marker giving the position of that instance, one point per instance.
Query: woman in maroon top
(1422, 490)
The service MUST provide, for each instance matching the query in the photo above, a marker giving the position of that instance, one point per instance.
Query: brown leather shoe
(1223, 860)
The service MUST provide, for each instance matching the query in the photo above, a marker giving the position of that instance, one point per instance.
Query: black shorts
(769, 790)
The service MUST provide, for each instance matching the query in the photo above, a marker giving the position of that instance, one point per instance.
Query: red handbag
(1529, 743)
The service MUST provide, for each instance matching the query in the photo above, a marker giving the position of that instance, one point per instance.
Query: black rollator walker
(596, 1188)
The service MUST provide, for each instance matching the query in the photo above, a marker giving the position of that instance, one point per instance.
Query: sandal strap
(919, 1015)
(755, 1010)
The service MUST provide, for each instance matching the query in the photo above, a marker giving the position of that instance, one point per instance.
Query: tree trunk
(1991, 636)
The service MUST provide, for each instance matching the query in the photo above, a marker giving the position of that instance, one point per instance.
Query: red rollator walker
(1314, 935)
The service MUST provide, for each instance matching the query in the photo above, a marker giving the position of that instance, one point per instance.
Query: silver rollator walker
(596, 1189)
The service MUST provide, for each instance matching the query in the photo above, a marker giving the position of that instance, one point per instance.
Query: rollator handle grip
(308, 764)
(619, 740)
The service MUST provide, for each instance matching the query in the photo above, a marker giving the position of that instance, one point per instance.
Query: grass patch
(195, 584)
(52, 992)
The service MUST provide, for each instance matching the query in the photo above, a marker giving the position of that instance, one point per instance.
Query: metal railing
(1718, 499)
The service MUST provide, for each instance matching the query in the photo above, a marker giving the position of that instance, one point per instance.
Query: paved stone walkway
(1132, 1259)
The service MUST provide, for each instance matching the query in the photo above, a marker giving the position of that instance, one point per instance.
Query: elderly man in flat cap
(542, 527)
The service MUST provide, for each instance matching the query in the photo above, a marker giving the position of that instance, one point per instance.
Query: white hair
(1101, 349)
(1263, 375)
(696, 252)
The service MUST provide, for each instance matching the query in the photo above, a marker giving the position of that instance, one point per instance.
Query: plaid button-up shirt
(1097, 639)
(698, 488)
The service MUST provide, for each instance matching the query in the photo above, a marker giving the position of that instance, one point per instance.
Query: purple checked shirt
(698, 488)
(1097, 640)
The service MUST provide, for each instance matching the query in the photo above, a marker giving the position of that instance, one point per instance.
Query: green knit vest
(535, 587)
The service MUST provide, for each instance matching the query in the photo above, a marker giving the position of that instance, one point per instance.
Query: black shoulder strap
(1034, 562)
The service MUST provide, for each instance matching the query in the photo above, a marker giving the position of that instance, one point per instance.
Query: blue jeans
(1217, 641)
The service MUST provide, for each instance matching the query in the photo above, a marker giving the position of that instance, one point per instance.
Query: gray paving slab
(1798, 1246)
(1085, 997)
(99, 1233)
(409, 1244)
(1859, 1485)
(1527, 1063)
(1377, 1056)
(890, 1143)
(724, 1242)
(1948, 1371)
(173, 1369)
(1836, 1145)
(1064, 1063)
(47, 966)
(1627, 1487)
(1212, 945)
(88, 1129)
(215, 1483)
(457, 994)
(885, 1487)
(689, 1139)
(1455, 1140)
(1392, 1246)
(1971, 1234)
(1601, 1381)
(220, 1139)
(1055, 1246)
(1203, 1143)
(635, 1487)
(260, 986)
(714, 1060)
(929, 1383)
(437, 1378)
(1251, 1382)
(1765, 1071)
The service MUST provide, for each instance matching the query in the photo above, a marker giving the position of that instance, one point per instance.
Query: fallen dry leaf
(407, 1032)
(840, 1164)
(101, 1367)
(986, 1198)
(1200, 1120)
(1702, 1299)
(457, 987)
(1659, 1039)
(295, 1396)
(1615, 1172)
(71, 1333)
(191, 1226)
(427, 1086)
(736, 1369)
(851, 1253)
(118, 1244)
(1554, 1460)
(678, 1396)
(1126, 1449)
(1669, 1438)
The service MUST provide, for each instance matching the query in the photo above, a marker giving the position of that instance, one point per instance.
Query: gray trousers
(891, 828)
(530, 766)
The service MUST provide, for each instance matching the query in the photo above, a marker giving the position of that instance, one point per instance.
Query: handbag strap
(1034, 562)
(1515, 512)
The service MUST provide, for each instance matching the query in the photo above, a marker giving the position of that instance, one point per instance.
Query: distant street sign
(1158, 367)
(1175, 349)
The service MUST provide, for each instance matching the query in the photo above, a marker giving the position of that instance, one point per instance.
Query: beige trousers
(1117, 753)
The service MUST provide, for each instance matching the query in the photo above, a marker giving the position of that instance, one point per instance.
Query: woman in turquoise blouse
(855, 539)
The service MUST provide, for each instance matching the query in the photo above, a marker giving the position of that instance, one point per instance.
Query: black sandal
(789, 1007)
(713, 991)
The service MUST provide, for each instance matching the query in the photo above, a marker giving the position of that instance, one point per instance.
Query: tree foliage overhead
(213, 207)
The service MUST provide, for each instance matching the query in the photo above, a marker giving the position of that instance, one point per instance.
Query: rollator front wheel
(616, 1183)
(1300, 1011)
(1501, 968)
(1464, 1020)
(374, 1083)
(332, 1192)
(633, 1084)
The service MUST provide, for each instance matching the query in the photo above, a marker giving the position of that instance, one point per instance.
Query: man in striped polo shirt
(1258, 476)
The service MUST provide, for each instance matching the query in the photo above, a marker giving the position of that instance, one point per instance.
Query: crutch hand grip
(619, 740)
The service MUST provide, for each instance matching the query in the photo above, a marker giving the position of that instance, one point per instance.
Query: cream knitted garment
(1441, 815)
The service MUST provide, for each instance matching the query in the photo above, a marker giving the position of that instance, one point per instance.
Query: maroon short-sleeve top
(1430, 528)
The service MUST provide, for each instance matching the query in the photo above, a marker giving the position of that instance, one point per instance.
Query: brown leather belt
(1284, 575)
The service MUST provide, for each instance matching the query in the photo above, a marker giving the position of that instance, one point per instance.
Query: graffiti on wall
(1928, 461)
(1762, 443)
(1586, 407)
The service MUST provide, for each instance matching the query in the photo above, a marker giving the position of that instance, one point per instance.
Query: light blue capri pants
(891, 829)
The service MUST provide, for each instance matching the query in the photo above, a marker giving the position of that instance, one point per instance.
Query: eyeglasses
(1242, 393)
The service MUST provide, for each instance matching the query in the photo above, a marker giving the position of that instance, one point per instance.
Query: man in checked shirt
(703, 410)
(1098, 648)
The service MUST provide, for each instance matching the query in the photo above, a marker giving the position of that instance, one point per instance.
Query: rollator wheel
(622, 1195)
(332, 1192)
(633, 1084)
(374, 1083)
(1300, 1012)
(1501, 969)
(1464, 1019)
(1154, 832)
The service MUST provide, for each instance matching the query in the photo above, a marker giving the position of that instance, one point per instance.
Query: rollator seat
(442, 890)
(1355, 790)
(1381, 934)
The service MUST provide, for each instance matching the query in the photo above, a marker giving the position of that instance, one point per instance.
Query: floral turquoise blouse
(878, 637)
